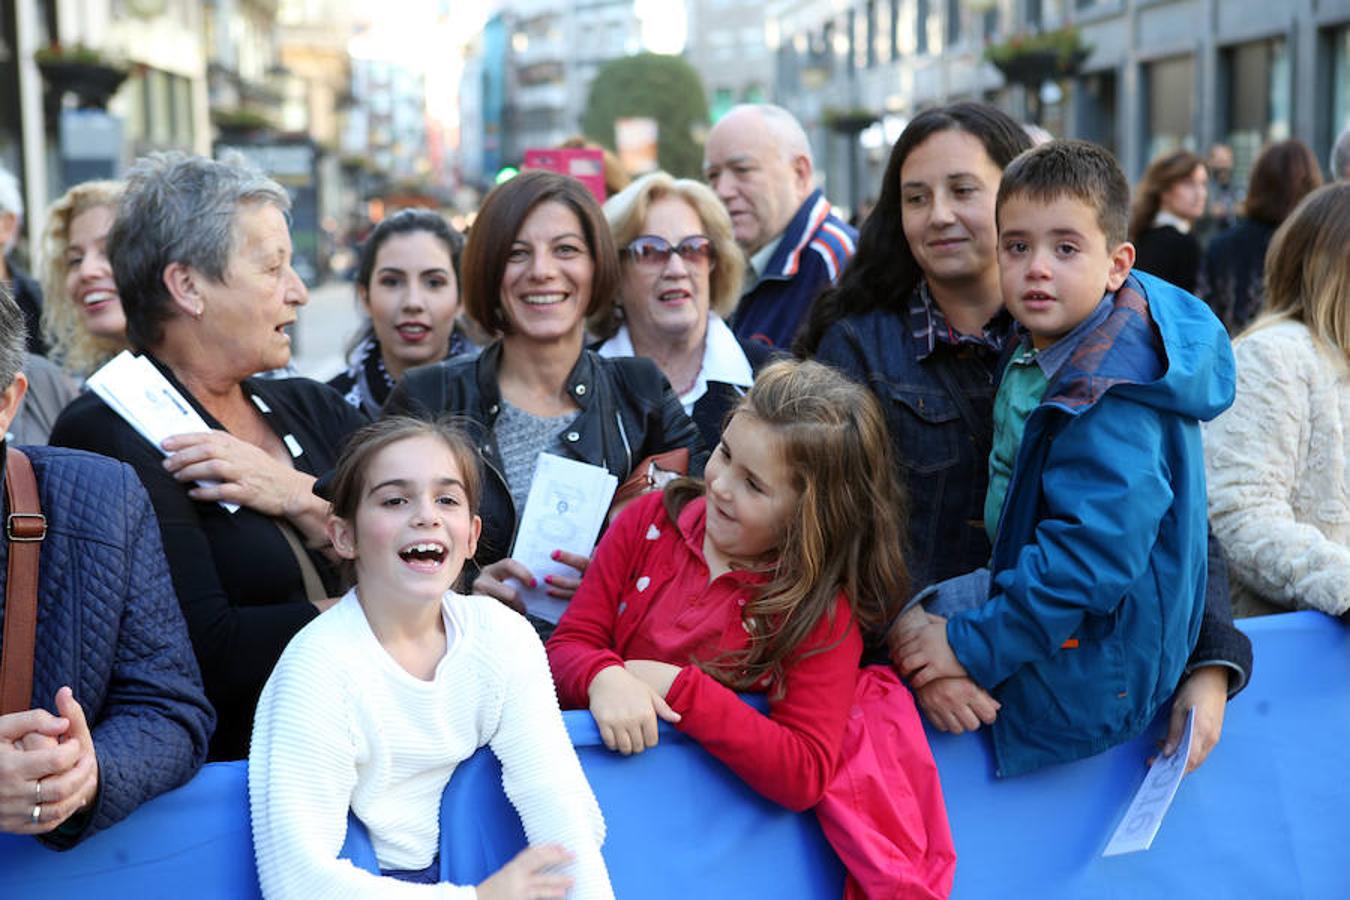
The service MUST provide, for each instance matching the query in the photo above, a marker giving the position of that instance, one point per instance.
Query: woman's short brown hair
(495, 230)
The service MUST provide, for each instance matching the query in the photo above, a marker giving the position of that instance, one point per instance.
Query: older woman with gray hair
(681, 276)
(202, 258)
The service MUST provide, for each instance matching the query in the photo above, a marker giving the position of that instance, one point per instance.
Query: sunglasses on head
(650, 250)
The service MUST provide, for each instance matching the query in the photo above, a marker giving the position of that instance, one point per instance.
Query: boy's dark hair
(1079, 169)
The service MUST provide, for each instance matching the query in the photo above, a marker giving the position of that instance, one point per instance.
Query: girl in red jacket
(764, 580)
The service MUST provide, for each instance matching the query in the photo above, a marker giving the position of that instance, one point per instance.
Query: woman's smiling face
(412, 300)
(948, 185)
(89, 276)
(667, 300)
(546, 285)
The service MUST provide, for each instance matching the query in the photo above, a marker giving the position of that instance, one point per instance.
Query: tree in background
(654, 86)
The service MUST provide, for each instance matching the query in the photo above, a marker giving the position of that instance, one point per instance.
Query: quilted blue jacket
(109, 626)
(1099, 563)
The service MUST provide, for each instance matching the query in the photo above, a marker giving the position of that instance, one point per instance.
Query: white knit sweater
(1279, 474)
(341, 724)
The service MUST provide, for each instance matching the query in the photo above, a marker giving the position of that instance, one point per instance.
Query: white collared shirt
(723, 359)
(759, 262)
(1166, 218)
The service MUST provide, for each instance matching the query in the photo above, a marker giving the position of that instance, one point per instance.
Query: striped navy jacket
(815, 247)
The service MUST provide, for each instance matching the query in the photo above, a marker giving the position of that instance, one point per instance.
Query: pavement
(324, 329)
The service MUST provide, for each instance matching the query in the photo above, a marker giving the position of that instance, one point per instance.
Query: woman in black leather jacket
(539, 260)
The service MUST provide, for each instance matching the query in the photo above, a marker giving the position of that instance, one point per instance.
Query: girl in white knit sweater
(374, 704)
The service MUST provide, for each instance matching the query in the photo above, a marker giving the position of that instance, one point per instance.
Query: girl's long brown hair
(846, 532)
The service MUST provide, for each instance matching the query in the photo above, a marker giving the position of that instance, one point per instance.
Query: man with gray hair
(24, 289)
(1340, 157)
(758, 160)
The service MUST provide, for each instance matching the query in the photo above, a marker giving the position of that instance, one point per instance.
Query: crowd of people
(1026, 439)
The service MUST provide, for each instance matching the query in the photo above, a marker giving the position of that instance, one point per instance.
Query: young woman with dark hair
(407, 283)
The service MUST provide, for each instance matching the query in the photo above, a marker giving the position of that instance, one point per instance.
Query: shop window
(1257, 77)
(1096, 105)
(1170, 115)
(1340, 83)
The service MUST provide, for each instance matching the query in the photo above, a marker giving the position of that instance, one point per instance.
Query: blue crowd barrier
(1262, 818)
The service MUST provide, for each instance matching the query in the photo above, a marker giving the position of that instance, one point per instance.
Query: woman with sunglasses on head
(538, 261)
(680, 275)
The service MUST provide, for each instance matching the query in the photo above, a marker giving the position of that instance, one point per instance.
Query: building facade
(1160, 74)
(531, 69)
(727, 44)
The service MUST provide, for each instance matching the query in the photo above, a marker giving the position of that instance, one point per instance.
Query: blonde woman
(680, 278)
(82, 315)
(1278, 461)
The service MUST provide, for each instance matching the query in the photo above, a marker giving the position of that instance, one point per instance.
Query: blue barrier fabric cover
(1264, 817)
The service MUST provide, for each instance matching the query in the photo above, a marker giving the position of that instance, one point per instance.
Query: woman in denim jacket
(921, 322)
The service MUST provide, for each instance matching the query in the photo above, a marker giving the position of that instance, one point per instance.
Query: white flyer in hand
(1154, 797)
(565, 510)
(137, 392)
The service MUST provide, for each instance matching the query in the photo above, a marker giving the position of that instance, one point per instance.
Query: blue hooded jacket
(1099, 561)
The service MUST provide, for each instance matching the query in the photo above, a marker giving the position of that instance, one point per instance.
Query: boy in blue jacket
(1096, 506)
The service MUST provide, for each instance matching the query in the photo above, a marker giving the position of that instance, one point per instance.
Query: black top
(237, 580)
(1232, 272)
(710, 410)
(366, 383)
(1164, 251)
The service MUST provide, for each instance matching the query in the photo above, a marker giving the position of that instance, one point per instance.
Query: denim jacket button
(573, 437)
(581, 390)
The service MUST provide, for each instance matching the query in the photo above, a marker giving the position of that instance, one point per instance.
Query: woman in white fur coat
(1277, 460)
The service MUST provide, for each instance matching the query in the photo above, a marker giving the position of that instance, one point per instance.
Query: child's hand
(625, 709)
(957, 705)
(925, 655)
(658, 676)
(525, 876)
(907, 623)
(1207, 690)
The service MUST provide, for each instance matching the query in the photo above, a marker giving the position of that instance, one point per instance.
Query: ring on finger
(37, 793)
(37, 813)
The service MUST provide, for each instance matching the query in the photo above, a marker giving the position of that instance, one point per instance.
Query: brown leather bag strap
(25, 528)
(309, 573)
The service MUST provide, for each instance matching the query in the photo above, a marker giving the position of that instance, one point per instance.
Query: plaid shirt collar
(930, 327)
